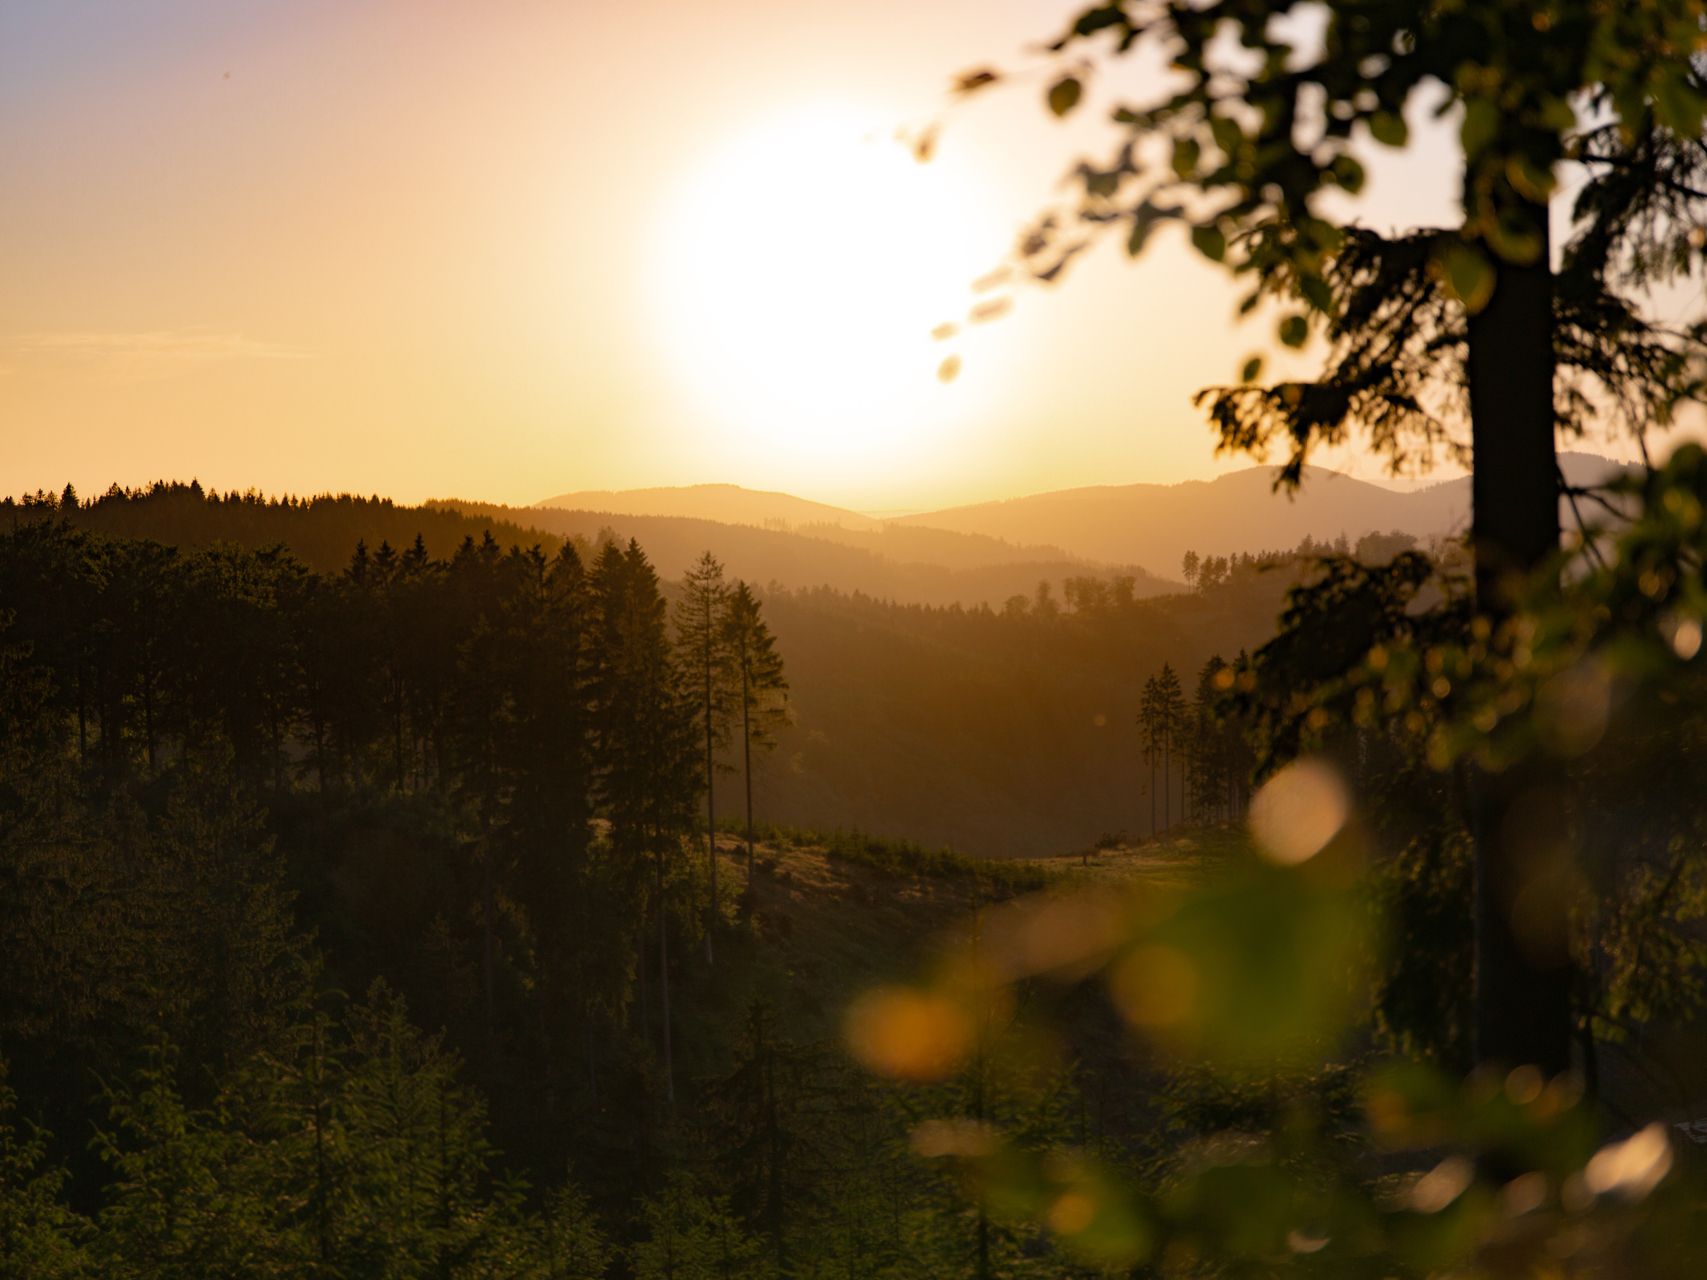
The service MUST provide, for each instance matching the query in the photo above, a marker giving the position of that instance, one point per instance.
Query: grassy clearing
(907, 858)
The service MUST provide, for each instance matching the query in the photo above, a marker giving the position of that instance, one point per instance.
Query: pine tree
(1150, 727)
(762, 689)
(644, 734)
(180, 1201)
(701, 638)
(1170, 713)
(691, 1236)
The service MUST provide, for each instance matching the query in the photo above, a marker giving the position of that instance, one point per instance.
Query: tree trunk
(1167, 781)
(664, 989)
(1523, 1012)
(747, 768)
(710, 806)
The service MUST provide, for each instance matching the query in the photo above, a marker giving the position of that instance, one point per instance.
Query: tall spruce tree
(1170, 716)
(1150, 729)
(761, 688)
(644, 733)
(705, 657)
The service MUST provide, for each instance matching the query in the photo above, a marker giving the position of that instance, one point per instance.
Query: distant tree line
(1207, 572)
(1200, 746)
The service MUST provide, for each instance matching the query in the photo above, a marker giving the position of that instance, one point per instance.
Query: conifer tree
(762, 688)
(1150, 727)
(179, 1203)
(692, 1236)
(644, 733)
(705, 656)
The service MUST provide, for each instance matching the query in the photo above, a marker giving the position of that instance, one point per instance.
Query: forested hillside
(1001, 731)
(925, 566)
(340, 908)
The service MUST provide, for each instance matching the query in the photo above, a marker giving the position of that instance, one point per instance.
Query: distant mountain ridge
(725, 503)
(1148, 525)
(908, 566)
(1154, 525)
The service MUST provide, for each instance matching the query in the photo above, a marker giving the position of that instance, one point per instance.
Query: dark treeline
(1201, 750)
(1004, 730)
(466, 791)
(319, 529)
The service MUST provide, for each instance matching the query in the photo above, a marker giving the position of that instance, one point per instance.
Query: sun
(800, 273)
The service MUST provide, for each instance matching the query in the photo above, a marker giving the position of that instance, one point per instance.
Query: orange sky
(507, 249)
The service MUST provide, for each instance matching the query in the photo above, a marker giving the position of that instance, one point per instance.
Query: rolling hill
(899, 563)
(725, 503)
(1154, 525)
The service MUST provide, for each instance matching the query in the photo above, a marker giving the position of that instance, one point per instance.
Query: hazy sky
(504, 249)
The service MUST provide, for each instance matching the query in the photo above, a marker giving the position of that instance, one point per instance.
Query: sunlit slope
(832, 915)
(909, 566)
(727, 503)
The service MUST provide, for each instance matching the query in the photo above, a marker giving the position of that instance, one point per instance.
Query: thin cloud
(148, 353)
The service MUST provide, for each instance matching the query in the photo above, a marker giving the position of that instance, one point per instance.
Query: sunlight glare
(801, 272)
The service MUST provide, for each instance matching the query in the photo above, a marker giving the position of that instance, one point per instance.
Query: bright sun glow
(802, 271)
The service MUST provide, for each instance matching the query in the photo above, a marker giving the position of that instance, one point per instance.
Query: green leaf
(1514, 238)
(1317, 294)
(1210, 242)
(1252, 370)
(1227, 134)
(1295, 331)
(1064, 95)
(1532, 181)
(1481, 123)
(1094, 20)
(1678, 107)
(1186, 154)
(1348, 173)
(1558, 115)
(1468, 275)
(1389, 128)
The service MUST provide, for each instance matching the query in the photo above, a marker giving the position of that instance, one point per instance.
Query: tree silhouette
(1170, 724)
(706, 660)
(1150, 726)
(762, 689)
(643, 730)
(1255, 154)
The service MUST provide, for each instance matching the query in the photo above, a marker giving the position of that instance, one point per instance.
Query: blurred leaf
(1210, 242)
(1317, 293)
(1468, 274)
(1481, 122)
(1186, 154)
(1252, 369)
(1064, 95)
(1389, 128)
(949, 369)
(1348, 173)
(1294, 331)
